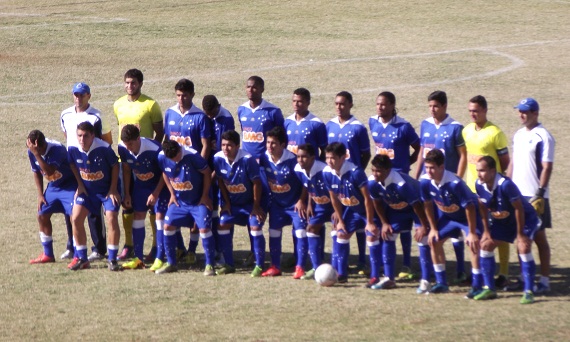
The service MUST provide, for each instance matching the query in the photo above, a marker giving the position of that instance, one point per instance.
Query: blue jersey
(353, 135)
(255, 122)
(499, 202)
(399, 193)
(309, 130)
(346, 186)
(281, 179)
(445, 137)
(185, 176)
(315, 184)
(146, 171)
(451, 197)
(56, 156)
(238, 176)
(394, 140)
(223, 122)
(95, 166)
(187, 128)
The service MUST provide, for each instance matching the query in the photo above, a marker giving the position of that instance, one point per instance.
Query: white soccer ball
(325, 275)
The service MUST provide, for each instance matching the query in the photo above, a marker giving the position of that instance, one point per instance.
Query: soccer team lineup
(189, 170)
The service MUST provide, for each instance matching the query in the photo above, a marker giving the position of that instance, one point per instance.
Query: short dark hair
(86, 127)
(310, 149)
(381, 161)
(435, 156)
(37, 137)
(439, 96)
(389, 96)
(257, 80)
(304, 93)
(346, 95)
(336, 148)
(134, 73)
(210, 102)
(491, 163)
(184, 85)
(480, 100)
(170, 148)
(232, 136)
(130, 133)
(279, 133)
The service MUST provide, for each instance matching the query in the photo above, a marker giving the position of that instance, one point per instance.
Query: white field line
(72, 20)
(516, 62)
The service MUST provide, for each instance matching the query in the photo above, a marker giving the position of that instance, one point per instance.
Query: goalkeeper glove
(537, 201)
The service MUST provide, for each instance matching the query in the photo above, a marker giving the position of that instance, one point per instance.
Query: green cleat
(309, 275)
(226, 269)
(190, 258)
(527, 298)
(156, 265)
(406, 274)
(473, 292)
(256, 273)
(167, 268)
(486, 294)
(209, 271)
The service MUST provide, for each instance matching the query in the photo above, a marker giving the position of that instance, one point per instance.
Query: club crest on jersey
(182, 186)
(91, 176)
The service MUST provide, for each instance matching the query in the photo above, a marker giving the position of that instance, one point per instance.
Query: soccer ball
(325, 275)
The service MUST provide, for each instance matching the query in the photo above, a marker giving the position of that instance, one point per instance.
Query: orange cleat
(42, 259)
(271, 272)
(299, 272)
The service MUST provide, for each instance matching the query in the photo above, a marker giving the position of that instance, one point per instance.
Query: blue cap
(81, 88)
(527, 105)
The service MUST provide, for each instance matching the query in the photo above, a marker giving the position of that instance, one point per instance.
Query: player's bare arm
(173, 199)
(113, 192)
(127, 183)
(158, 128)
(462, 151)
(523, 242)
(337, 206)
(257, 211)
(423, 229)
(225, 195)
(301, 205)
(472, 239)
(205, 199)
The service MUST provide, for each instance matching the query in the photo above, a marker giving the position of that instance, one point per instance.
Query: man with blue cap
(530, 169)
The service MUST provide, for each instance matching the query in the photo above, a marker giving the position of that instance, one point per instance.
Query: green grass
(502, 50)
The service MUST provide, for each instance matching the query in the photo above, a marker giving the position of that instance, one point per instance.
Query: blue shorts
(509, 233)
(93, 203)
(546, 217)
(58, 201)
(186, 215)
(322, 216)
(281, 217)
(452, 229)
(240, 216)
(353, 221)
(140, 196)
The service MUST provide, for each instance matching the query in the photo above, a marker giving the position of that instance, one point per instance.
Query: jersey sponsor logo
(499, 215)
(398, 206)
(144, 176)
(385, 151)
(321, 199)
(348, 201)
(256, 137)
(56, 175)
(280, 189)
(429, 147)
(182, 141)
(293, 148)
(91, 176)
(448, 209)
(182, 186)
(236, 188)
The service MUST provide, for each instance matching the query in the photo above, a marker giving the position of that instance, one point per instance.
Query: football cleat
(74, 261)
(190, 258)
(66, 255)
(439, 288)
(156, 265)
(425, 287)
(501, 282)
(363, 270)
(113, 265)
(527, 298)
(309, 275)
(126, 253)
(406, 274)
(42, 259)
(372, 282)
(226, 269)
(271, 272)
(250, 260)
(94, 256)
(167, 268)
(486, 294)
(384, 284)
(134, 264)
(80, 264)
(473, 292)
(257, 271)
(150, 256)
(299, 272)
(209, 271)
(541, 289)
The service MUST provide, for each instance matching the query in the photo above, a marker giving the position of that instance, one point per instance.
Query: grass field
(504, 50)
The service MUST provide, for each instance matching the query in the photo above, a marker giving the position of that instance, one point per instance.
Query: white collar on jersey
(310, 117)
(447, 177)
(447, 121)
(192, 110)
(96, 144)
(499, 179)
(146, 145)
(393, 177)
(350, 121)
(240, 154)
(50, 144)
(284, 157)
(346, 167)
(317, 167)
